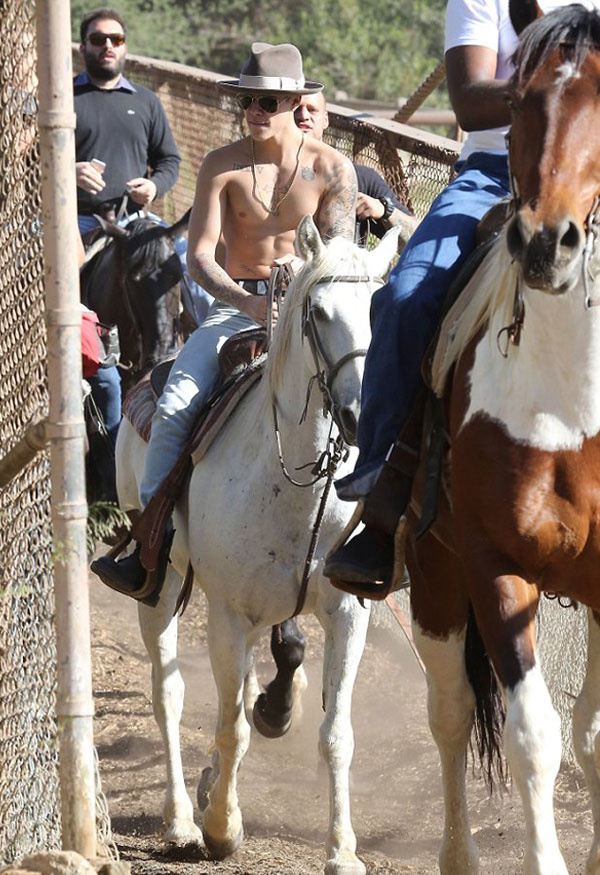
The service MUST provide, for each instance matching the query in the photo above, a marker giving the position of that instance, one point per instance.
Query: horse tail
(490, 712)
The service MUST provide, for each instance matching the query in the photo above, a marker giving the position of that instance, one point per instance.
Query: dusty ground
(396, 793)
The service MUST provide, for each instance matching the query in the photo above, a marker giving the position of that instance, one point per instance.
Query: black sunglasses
(267, 104)
(98, 39)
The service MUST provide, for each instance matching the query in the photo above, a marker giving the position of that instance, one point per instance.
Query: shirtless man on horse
(254, 192)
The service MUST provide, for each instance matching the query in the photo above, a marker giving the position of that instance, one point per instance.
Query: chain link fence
(29, 788)
(30, 816)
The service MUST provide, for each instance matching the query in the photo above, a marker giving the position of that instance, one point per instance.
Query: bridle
(590, 265)
(590, 261)
(336, 449)
(325, 374)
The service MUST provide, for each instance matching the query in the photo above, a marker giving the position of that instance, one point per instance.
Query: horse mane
(574, 29)
(143, 247)
(495, 281)
(339, 257)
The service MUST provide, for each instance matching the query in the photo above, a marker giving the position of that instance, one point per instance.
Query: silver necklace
(255, 191)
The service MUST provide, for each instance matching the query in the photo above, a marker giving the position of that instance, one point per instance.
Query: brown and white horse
(524, 487)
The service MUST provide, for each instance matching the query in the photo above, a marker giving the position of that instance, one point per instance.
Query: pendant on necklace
(273, 211)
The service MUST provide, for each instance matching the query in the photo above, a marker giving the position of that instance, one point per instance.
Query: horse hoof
(269, 730)
(219, 849)
(182, 836)
(349, 866)
(207, 779)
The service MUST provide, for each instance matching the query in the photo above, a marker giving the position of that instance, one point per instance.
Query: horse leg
(272, 712)
(586, 735)
(439, 619)
(345, 624)
(505, 608)
(227, 641)
(159, 632)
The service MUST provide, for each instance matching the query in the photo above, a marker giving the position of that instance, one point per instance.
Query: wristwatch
(388, 208)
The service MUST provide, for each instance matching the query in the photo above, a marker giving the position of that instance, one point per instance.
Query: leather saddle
(241, 363)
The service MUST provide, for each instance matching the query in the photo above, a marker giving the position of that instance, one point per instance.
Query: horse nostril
(571, 238)
(515, 237)
(349, 424)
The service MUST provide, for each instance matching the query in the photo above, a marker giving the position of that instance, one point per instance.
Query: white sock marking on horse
(533, 749)
(586, 736)
(450, 705)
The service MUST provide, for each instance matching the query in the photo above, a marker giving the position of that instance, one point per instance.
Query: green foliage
(380, 50)
(105, 519)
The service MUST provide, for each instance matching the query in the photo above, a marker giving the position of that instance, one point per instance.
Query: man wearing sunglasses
(121, 130)
(122, 125)
(253, 193)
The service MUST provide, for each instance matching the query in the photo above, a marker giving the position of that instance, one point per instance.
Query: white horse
(246, 530)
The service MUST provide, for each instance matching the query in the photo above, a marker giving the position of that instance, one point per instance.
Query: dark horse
(521, 382)
(131, 280)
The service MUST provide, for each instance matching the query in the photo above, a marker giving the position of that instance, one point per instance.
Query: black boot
(365, 558)
(127, 576)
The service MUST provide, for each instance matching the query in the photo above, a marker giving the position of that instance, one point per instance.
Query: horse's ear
(111, 229)
(180, 225)
(381, 257)
(523, 12)
(308, 239)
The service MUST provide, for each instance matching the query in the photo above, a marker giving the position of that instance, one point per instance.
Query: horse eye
(319, 313)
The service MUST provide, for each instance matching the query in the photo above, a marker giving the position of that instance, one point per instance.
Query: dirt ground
(396, 788)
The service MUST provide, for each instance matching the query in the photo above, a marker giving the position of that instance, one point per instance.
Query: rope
(404, 624)
(421, 94)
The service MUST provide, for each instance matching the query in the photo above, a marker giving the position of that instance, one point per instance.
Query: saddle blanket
(140, 405)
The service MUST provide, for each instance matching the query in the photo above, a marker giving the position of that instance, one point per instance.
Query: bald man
(377, 206)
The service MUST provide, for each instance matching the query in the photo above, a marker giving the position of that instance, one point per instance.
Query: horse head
(137, 288)
(555, 146)
(332, 293)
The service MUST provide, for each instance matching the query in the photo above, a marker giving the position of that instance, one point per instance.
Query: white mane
(491, 290)
(340, 257)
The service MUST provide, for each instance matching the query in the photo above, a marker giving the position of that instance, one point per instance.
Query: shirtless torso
(255, 192)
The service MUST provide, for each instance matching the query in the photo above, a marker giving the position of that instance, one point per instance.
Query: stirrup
(374, 590)
(149, 592)
(349, 528)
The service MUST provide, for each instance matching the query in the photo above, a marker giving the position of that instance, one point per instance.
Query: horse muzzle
(549, 254)
(346, 419)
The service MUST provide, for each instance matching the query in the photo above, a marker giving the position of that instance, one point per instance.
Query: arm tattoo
(212, 277)
(337, 215)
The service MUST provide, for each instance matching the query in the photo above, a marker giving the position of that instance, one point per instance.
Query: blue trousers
(405, 312)
(106, 391)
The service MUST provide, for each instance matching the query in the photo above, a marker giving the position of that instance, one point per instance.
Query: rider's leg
(404, 316)
(106, 390)
(193, 378)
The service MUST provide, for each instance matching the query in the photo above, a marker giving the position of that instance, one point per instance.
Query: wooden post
(65, 428)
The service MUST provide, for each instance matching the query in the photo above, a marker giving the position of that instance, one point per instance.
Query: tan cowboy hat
(272, 69)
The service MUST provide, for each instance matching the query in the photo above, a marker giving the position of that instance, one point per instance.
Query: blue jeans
(193, 377)
(405, 312)
(106, 391)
